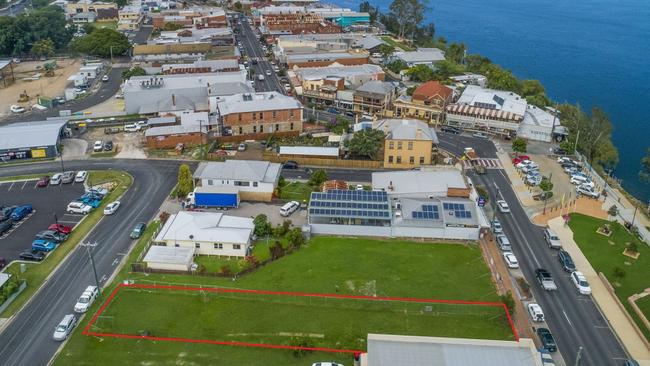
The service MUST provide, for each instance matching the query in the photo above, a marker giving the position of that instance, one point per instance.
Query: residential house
(85, 17)
(422, 56)
(254, 180)
(129, 18)
(374, 97)
(256, 115)
(428, 103)
(87, 6)
(408, 143)
(107, 15)
(209, 233)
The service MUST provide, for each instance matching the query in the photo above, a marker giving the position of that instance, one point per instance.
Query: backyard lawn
(326, 265)
(393, 42)
(606, 254)
(296, 191)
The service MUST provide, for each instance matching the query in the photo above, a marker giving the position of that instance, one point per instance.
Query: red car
(60, 228)
(43, 181)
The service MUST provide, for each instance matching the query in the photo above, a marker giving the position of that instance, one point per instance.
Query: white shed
(169, 258)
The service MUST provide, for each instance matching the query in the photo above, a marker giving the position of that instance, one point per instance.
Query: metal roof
(422, 55)
(309, 150)
(250, 170)
(31, 134)
(421, 183)
(169, 255)
(376, 87)
(256, 102)
(210, 227)
(407, 129)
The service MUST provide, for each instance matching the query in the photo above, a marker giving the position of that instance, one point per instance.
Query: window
(277, 127)
(197, 245)
(255, 183)
(399, 145)
(176, 245)
(399, 160)
(261, 128)
(240, 183)
(421, 160)
(411, 160)
(291, 113)
(390, 159)
(236, 246)
(254, 116)
(218, 246)
(273, 114)
(261, 115)
(391, 145)
(241, 130)
(240, 117)
(254, 129)
(410, 145)
(209, 182)
(291, 127)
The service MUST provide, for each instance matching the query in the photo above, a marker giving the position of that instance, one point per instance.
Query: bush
(252, 261)
(509, 301)
(276, 250)
(619, 273)
(519, 145)
(317, 178)
(163, 217)
(301, 342)
(295, 238)
(225, 270)
(633, 247)
(262, 225)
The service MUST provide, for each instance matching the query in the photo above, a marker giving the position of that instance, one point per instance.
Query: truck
(545, 279)
(470, 154)
(213, 197)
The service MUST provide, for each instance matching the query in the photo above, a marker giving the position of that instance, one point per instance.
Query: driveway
(131, 146)
(74, 149)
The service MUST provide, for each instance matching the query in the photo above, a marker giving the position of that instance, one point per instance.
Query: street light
(92, 262)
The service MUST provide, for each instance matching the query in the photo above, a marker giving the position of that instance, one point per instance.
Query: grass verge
(606, 255)
(36, 273)
(23, 177)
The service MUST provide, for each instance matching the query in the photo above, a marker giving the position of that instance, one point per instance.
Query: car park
(51, 235)
(86, 299)
(98, 146)
(288, 208)
(77, 207)
(111, 208)
(548, 342)
(63, 229)
(65, 327)
(552, 240)
(504, 243)
(535, 312)
(138, 230)
(42, 245)
(496, 226)
(511, 260)
(21, 212)
(56, 179)
(503, 206)
(580, 281)
(67, 177)
(81, 176)
(566, 261)
(32, 256)
(43, 181)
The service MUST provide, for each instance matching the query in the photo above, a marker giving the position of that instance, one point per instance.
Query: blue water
(593, 52)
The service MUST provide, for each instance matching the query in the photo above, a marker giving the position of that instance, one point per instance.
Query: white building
(422, 56)
(209, 233)
(255, 180)
(169, 258)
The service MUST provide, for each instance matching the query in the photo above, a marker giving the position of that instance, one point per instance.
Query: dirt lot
(47, 86)
(128, 145)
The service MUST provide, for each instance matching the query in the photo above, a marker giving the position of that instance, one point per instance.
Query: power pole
(578, 356)
(92, 262)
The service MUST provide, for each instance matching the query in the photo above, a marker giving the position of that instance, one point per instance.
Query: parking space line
(24, 184)
(68, 222)
(11, 186)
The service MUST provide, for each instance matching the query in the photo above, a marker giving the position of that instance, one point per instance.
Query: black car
(559, 151)
(108, 145)
(5, 226)
(548, 342)
(566, 261)
(138, 230)
(32, 256)
(449, 129)
(290, 164)
(51, 235)
(5, 212)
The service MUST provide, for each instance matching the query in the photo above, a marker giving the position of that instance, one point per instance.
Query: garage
(31, 140)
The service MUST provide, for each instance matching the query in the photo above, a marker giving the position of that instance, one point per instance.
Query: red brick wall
(170, 141)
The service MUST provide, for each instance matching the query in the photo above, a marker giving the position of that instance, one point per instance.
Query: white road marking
(567, 317)
(103, 278)
(11, 186)
(115, 261)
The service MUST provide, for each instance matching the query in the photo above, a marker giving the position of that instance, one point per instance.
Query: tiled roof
(431, 89)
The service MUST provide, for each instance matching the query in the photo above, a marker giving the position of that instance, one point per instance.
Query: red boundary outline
(87, 331)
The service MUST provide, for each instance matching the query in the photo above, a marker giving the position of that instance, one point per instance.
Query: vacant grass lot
(393, 42)
(37, 272)
(328, 265)
(606, 253)
(296, 191)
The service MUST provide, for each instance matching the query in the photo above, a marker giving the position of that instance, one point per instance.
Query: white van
(65, 327)
(78, 208)
(289, 208)
(86, 299)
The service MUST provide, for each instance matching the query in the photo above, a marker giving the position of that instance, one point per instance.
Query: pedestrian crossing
(488, 163)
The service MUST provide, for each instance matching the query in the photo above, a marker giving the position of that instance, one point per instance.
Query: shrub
(295, 238)
(613, 211)
(252, 261)
(163, 217)
(509, 301)
(276, 250)
(519, 145)
(301, 342)
(633, 247)
(225, 270)
(619, 272)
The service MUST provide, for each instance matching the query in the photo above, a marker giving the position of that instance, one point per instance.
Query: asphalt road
(46, 201)
(27, 340)
(15, 9)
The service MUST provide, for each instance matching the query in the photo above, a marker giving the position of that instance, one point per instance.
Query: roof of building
(376, 87)
(324, 56)
(407, 129)
(422, 55)
(498, 100)
(169, 255)
(431, 89)
(225, 89)
(210, 227)
(350, 204)
(423, 183)
(539, 117)
(161, 120)
(31, 134)
(437, 212)
(315, 73)
(172, 130)
(4, 277)
(256, 102)
(214, 65)
(5, 63)
(309, 151)
(389, 350)
(251, 170)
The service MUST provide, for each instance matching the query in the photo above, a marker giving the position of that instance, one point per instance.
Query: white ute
(86, 299)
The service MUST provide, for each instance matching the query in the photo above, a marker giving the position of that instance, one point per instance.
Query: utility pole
(575, 148)
(92, 262)
(578, 356)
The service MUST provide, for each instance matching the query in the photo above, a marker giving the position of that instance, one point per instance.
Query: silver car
(65, 327)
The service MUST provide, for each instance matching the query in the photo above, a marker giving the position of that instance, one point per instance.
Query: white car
(503, 206)
(16, 109)
(511, 260)
(111, 208)
(480, 135)
(496, 226)
(105, 78)
(56, 179)
(38, 107)
(289, 208)
(268, 72)
(81, 176)
(77, 207)
(523, 163)
(580, 281)
(359, 187)
(587, 191)
(132, 128)
(579, 179)
(241, 147)
(65, 327)
(98, 146)
(536, 312)
(86, 299)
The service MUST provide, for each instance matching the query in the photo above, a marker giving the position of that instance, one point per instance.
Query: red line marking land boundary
(87, 331)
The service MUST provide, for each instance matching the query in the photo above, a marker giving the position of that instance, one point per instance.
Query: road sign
(481, 202)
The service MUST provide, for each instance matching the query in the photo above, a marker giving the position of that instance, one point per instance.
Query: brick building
(428, 103)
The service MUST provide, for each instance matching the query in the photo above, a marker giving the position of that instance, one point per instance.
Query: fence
(337, 163)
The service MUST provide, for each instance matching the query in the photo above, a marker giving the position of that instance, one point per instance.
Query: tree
(18, 34)
(613, 211)
(262, 225)
(317, 178)
(509, 301)
(501, 79)
(456, 52)
(185, 184)
(410, 90)
(644, 173)
(238, 6)
(421, 73)
(546, 185)
(103, 43)
(619, 273)
(40, 3)
(134, 71)
(445, 69)
(172, 26)
(397, 66)
(519, 145)
(386, 50)
(120, 3)
(367, 143)
(295, 238)
(44, 47)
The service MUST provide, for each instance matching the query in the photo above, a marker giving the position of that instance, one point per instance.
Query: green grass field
(327, 265)
(605, 257)
(393, 42)
(644, 305)
(296, 191)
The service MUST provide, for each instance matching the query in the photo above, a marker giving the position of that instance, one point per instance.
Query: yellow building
(87, 6)
(427, 103)
(408, 144)
(129, 18)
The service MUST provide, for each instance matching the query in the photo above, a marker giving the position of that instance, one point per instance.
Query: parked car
(241, 147)
(105, 78)
(289, 208)
(68, 177)
(548, 342)
(138, 230)
(5, 226)
(108, 145)
(511, 260)
(65, 327)
(552, 239)
(81, 176)
(504, 243)
(132, 128)
(43, 181)
(290, 164)
(111, 130)
(56, 179)
(536, 312)
(326, 364)
(63, 229)
(579, 179)
(452, 130)
(480, 135)
(5, 212)
(16, 109)
(21, 212)
(564, 160)
(496, 226)
(587, 191)
(32, 256)
(98, 146)
(51, 235)
(86, 299)
(566, 261)
(580, 281)
(503, 206)
(42, 245)
(332, 110)
(77, 207)
(530, 167)
(533, 180)
(111, 208)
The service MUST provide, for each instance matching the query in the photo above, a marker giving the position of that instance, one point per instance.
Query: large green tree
(456, 53)
(421, 73)
(386, 50)
(367, 143)
(184, 181)
(44, 47)
(18, 34)
(103, 42)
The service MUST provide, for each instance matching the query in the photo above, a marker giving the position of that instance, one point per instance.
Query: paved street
(28, 339)
(15, 9)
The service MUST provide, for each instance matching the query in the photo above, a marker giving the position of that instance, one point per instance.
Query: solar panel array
(350, 204)
(344, 195)
(429, 212)
(356, 204)
(458, 209)
(348, 213)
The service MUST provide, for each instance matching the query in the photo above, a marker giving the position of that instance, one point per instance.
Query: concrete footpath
(623, 327)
